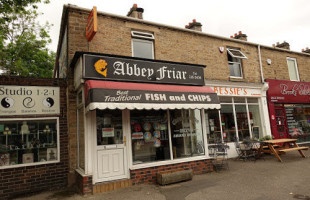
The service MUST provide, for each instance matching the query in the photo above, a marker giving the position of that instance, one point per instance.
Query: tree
(23, 41)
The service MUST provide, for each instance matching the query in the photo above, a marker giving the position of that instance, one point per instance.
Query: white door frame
(94, 148)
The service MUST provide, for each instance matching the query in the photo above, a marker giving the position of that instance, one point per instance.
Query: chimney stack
(135, 12)
(283, 45)
(306, 51)
(194, 26)
(240, 36)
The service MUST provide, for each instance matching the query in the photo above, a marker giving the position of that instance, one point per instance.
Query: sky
(265, 22)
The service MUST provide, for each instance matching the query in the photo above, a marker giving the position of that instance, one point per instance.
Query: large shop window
(149, 136)
(298, 121)
(186, 130)
(240, 118)
(28, 141)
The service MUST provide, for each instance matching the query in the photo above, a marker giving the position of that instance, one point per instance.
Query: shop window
(235, 57)
(228, 123)
(28, 141)
(255, 121)
(242, 121)
(142, 45)
(242, 116)
(292, 69)
(298, 121)
(109, 127)
(213, 126)
(186, 133)
(149, 136)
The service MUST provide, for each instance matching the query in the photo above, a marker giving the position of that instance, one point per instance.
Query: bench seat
(294, 149)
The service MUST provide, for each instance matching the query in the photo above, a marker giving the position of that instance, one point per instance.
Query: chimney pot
(231, 36)
(194, 25)
(307, 48)
(135, 12)
(236, 34)
(302, 50)
(283, 45)
(273, 45)
(240, 32)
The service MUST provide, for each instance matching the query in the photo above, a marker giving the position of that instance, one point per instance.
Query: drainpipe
(260, 64)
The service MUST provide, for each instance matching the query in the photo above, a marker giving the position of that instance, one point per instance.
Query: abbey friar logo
(101, 67)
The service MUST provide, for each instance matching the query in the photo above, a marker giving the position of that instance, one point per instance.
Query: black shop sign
(140, 96)
(140, 70)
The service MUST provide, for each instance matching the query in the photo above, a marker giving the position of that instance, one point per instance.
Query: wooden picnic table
(280, 146)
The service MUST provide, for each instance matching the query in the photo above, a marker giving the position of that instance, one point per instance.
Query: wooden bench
(294, 149)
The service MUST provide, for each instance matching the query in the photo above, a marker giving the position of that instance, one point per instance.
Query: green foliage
(23, 41)
(267, 137)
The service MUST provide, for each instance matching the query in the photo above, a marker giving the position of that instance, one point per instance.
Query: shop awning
(124, 95)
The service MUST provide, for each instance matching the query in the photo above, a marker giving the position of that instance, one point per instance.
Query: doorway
(111, 153)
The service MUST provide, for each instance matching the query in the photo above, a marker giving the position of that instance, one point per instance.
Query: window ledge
(236, 79)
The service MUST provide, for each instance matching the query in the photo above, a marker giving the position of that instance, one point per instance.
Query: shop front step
(111, 186)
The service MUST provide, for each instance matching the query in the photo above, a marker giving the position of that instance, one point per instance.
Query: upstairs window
(234, 57)
(292, 69)
(142, 44)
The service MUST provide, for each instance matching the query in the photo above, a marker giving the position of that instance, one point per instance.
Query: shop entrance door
(281, 125)
(111, 162)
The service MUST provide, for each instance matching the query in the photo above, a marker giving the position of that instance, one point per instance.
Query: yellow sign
(91, 26)
(101, 68)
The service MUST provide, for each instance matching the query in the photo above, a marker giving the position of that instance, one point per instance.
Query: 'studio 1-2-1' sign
(29, 100)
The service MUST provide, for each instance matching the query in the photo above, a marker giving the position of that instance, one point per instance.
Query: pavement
(265, 179)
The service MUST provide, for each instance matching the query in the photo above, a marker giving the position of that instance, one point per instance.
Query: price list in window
(291, 122)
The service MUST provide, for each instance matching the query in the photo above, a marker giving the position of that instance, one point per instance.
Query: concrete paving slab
(265, 179)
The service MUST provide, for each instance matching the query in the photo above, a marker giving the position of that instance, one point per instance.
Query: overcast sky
(265, 21)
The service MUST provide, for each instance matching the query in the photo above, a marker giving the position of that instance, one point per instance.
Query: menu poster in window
(28, 158)
(4, 159)
(29, 100)
(107, 132)
(51, 154)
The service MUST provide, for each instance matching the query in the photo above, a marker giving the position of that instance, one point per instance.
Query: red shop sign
(288, 91)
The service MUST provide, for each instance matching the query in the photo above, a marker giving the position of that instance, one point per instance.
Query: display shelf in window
(28, 141)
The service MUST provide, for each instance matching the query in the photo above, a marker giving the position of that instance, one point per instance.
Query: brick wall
(279, 69)
(84, 183)
(22, 180)
(148, 175)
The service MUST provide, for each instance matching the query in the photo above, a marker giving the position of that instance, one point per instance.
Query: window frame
(296, 68)
(142, 37)
(36, 163)
(238, 63)
(172, 159)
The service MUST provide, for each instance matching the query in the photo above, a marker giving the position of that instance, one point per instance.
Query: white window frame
(36, 163)
(234, 56)
(142, 37)
(238, 63)
(296, 68)
(173, 160)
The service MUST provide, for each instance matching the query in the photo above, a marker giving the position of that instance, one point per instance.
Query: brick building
(115, 135)
(33, 135)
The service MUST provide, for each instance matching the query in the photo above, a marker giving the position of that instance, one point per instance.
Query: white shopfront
(243, 113)
(125, 126)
